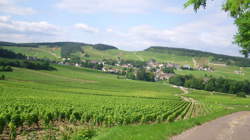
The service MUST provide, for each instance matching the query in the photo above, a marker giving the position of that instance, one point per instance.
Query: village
(150, 71)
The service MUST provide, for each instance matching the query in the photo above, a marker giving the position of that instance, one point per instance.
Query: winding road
(235, 126)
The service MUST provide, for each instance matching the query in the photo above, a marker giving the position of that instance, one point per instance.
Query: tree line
(140, 74)
(216, 58)
(9, 58)
(212, 84)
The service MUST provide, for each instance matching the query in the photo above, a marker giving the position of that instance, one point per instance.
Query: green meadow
(113, 108)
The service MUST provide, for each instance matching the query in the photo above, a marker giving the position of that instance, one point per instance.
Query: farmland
(93, 99)
(89, 97)
(70, 102)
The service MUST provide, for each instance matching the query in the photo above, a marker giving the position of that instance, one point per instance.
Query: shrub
(2, 123)
(85, 134)
(2, 77)
(241, 94)
(6, 68)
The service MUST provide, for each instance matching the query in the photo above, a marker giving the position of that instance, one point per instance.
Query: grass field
(71, 102)
(227, 72)
(138, 56)
(40, 52)
(115, 108)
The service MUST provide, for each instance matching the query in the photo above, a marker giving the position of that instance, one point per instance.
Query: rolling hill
(57, 50)
(69, 102)
(223, 65)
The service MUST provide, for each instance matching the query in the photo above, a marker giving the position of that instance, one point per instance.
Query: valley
(62, 100)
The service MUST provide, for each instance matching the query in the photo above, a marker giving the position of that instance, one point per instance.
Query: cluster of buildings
(156, 68)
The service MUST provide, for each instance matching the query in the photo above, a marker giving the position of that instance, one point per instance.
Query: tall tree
(238, 9)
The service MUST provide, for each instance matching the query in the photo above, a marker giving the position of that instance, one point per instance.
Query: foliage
(168, 70)
(239, 9)
(243, 34)
(85, 134)
(2, 77)
(36, 65)
(211, 84)
(241, 94)
(103, 47)
(9, 54)
(89, 64)
(234, 7)
(144, 75)
(177, 80)
(6, 68)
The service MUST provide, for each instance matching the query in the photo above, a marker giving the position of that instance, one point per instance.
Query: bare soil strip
(235, 126)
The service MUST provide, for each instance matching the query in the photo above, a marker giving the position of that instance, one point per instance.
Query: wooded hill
(102, 51)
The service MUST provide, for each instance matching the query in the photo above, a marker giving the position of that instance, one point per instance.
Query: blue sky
(126, 24)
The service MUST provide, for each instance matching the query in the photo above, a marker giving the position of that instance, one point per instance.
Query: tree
(149, 76)
(177, 80)
(242, 37)
(241, 94)
(210, 85)
(194, 83)
(238, 9)
(234, 7)
(2, 77)
(168, 70)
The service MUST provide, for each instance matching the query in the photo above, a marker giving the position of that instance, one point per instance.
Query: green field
(40, 52)
(227, 72)
(81, 103)
(114, 108)
(138, 56)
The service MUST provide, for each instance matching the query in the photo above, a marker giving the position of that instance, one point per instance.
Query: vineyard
(16, 115)
(43, 102)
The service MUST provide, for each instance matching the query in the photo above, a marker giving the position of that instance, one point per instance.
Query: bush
(85, 134)
(212, 84)
(2, 123)
(6, 68)
(241, 94)
(2, 77)
(177, 80)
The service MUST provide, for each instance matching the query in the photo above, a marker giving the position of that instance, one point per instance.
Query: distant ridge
(216, 58)
(58, 44)
(69, 48)
(185, 51)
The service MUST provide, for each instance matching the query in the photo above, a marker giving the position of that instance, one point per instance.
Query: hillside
(103, 104)
(215, 58)
(41, 98)
(57, 50)
(51, 50)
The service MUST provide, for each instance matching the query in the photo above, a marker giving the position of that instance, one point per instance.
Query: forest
(212, 84)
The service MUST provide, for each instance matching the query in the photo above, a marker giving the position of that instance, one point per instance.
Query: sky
(127, 24)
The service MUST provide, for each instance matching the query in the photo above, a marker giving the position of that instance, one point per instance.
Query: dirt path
(139, 57)
(231, 127)
(195, 63)
(184, 92)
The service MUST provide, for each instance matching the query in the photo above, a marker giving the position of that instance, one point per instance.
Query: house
(93, 61)
(77, 65)
(104, 69)
(163, 76)
(173, 65)
(238, 72)
(187, 67)
(205, 68)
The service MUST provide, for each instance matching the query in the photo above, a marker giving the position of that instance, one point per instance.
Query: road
(235, 126)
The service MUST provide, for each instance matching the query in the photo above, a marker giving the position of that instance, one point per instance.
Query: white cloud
(12, 30)
(11, 7)
(116, 6)
(178, 10)
(86, 28)
(209, 33)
